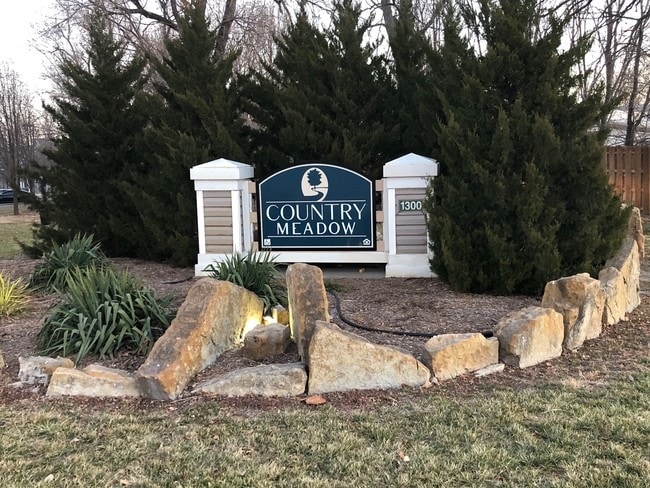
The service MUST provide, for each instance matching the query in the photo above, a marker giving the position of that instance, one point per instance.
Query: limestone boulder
(38, 369)
(635, 230)
(342, 361)
(307, 304)
(580, 299)
(266, 341)
(451, 355)
(620, 281)
(280, 315)
(530, 336)
(488, 370)
(210, 321)
(272, 380)
(93, 381)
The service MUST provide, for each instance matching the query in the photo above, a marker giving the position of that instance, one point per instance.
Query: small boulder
(620, 281)
(530, 336)
(580, 300)
(211, 320)
(635, 230)
(266, 341)
(93, 381)
(2, 360)
(38, 369)
(451, 355)
(488, 370)
(269, 380)
(280, 314)
(342, 361)
(307, 304)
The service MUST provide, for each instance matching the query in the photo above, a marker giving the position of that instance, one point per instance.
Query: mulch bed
(416, 305)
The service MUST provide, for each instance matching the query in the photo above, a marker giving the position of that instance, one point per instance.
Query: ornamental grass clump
(101, 312)
(64, 259)
(13, 296)
(255, 271)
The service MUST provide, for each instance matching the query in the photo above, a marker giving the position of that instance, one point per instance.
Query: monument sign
(316, 206)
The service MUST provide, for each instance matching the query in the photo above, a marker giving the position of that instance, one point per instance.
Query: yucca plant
(63, 259)
(103, 311)
(255, 271)
(13, 296)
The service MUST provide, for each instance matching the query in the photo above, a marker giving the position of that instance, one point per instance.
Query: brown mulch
(415, 305)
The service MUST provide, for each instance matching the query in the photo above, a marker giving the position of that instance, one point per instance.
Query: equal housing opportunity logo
(316, 206)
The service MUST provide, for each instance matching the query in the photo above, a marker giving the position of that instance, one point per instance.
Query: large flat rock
(342, 361)
(530, 336)
(271, 380)
(93, 381)
(451, 355)
(210, 321)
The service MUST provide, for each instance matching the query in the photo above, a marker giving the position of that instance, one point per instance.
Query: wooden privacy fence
(628, 169)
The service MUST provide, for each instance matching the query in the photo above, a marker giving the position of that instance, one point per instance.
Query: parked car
(7, 195)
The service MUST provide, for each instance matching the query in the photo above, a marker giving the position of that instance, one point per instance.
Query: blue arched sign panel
(316, 206)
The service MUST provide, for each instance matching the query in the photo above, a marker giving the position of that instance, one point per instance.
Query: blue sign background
(316, 206)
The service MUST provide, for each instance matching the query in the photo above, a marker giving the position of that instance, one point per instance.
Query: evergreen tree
(197, 121)
(100, 118)
(320, 100)
(522, 197)
(411, 102)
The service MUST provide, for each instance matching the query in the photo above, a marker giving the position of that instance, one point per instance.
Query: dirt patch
(415, 305)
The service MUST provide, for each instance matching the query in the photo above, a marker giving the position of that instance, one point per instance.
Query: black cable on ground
(337, 304)
(177, 282)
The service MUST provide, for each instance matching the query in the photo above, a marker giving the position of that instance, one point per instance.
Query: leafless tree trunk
(619, 60)
(17, 129)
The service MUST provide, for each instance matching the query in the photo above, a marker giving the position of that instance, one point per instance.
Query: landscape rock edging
(525, 337)
(343, 361)
(211, 320)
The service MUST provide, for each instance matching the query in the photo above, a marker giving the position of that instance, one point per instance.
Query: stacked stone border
(217, 316)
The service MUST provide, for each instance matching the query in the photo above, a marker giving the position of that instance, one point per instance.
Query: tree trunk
(223, 34)
(389, 18)
(631, 125)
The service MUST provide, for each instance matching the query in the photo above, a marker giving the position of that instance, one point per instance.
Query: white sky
(18, 30)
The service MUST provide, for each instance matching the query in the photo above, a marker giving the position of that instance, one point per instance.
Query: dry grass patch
(546, 436)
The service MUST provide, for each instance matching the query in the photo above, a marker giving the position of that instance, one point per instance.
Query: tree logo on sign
(314, 184)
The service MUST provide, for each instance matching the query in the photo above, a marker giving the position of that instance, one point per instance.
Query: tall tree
(320, 100)
(100, 119)
(412, 104)
(197, 120)
(17, 129)
(522, 196)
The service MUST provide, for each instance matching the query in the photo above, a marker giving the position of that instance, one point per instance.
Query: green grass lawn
(546, 436)
(10, 234)
(18, 229)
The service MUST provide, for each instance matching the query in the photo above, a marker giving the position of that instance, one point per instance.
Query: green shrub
(101, 312)
(255, 271)
(13, 296)
(63, 260)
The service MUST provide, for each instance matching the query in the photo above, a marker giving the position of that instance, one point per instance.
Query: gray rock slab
(271, 380)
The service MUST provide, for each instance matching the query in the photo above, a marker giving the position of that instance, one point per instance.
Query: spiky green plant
(255, 271)
(63, 259)
(13, 296)
(103, 311)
